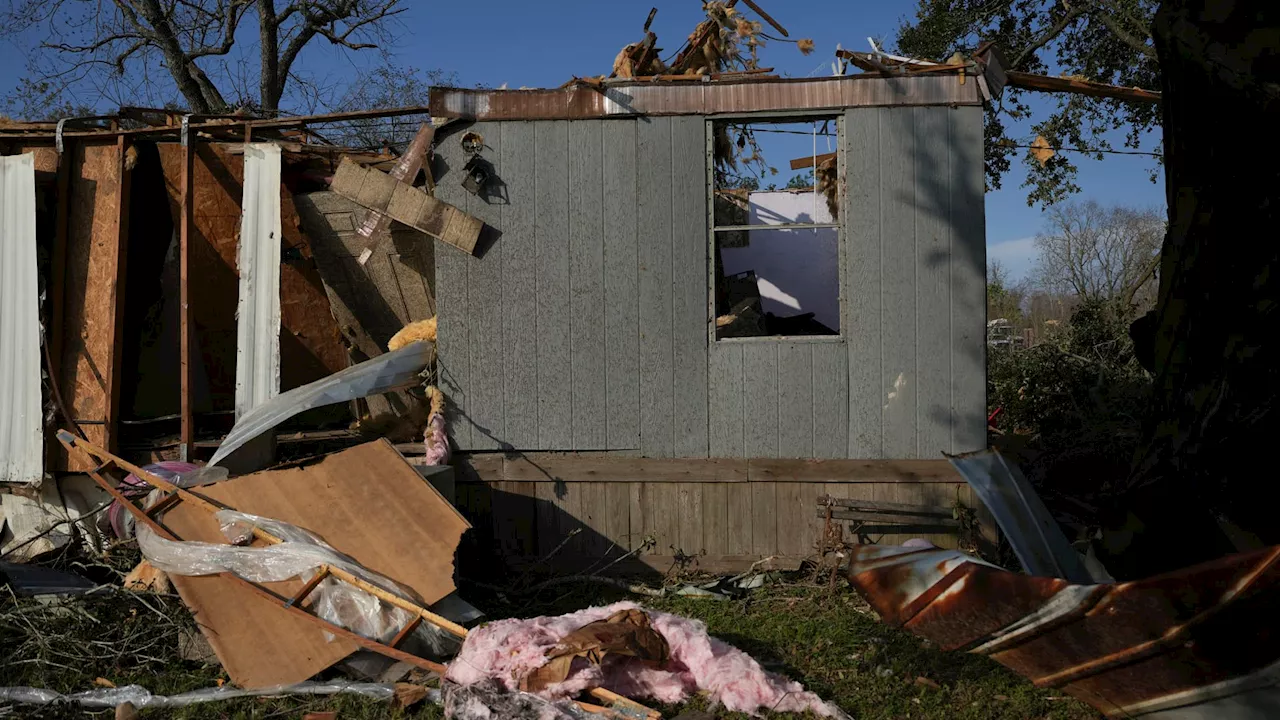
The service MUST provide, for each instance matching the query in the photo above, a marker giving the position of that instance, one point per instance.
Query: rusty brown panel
(311, 346)
(701, 98)
(954, 620)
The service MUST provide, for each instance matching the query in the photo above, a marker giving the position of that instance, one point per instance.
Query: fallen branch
(637, 589)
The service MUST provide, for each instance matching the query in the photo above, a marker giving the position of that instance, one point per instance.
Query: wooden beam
(123, 175)
(377, 223)
(760, 11)
(612, 467)
(186, 367)
(379, 191)
(57, 283)
(809, 161)
(1044, 83)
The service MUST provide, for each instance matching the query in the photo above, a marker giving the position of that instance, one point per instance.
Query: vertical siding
(689, 291)
(551, 238)
(968, 283)
(586, 326)
(654, 238)
(933, 282)
(587, 228)
(621, 287)
(862, 279)
(519, 285)
(484, 303)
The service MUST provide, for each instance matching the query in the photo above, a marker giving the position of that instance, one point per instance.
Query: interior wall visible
(797, 271)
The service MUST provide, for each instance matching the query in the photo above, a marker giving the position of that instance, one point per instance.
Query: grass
(827, 638)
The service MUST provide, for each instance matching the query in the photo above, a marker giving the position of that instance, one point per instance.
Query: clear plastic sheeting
(299, 555)
(142, 698)
(385, 373)
(490, 701)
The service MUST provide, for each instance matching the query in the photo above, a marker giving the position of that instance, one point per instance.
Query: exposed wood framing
(407, 167)
(186, 332)
(123, 176)
(809, 161)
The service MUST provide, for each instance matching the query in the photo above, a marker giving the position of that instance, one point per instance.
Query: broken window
(775, 227)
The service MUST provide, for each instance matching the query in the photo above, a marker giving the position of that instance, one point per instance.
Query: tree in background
(1097, 253)
(1104, 40)
(93, 49)
(1004, 297)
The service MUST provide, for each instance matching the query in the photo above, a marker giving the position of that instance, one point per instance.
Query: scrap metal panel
(258, 308)
(21, 441)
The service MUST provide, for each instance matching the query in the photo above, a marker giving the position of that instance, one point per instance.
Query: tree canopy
(1102, 40)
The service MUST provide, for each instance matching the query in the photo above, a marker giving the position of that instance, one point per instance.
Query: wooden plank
(551, 241)
(654, 233)
(791, 516)
(664, 507)
(933, 281)
(862, 280)
(413, 274)
(621, 285)
(726, 399)
(760, 399)
(568, 508)
(899, 374)
(764, 522)
(519, 288)
(739, 519)
(795, 400)
(691, 518)
(599, 467)
(546, 517)
(831, 400)
(118, 289)
(514, 514)
(887, 518)
(809, 161)
(593, 513)
(638, 520)
(587, 230)
(715, 518)
(851, 471)
(186, 333)
(89, 309)
(484, 318)
(618, 516)
(376, 190)
(888, 507)
(968, 284)
(689, 284)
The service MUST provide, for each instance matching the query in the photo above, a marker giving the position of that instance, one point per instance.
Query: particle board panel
(588, 305)
(343, 499)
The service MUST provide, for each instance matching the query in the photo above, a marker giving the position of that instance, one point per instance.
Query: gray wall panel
(795, 400)
(587, 228)
(519, 286)
(933, 282)
(653, 223)
(862, 282)
(899, 277)
(689, 253)
(726, 400)
(484, 305)
(968, 283)
(621, 287)
(760, 399)
(453, 321)
(551, 237)
(830, 400)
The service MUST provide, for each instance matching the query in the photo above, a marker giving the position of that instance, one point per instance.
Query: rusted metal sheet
(1193, 643)
(705, 98)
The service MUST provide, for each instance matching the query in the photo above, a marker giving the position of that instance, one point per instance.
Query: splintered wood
(412, 206)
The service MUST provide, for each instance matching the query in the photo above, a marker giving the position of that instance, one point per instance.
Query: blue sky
(542, 44)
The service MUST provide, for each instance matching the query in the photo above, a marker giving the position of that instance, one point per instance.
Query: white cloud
(1017, 256)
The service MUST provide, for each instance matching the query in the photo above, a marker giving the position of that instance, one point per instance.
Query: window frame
(838, 225)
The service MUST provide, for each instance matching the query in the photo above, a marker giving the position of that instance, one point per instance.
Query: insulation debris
(509, 651)
(413, 332)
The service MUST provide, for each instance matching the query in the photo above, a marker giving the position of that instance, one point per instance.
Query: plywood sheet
(310, 344)
(366, 502)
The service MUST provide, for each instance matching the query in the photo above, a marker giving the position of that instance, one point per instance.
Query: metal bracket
(186, 128)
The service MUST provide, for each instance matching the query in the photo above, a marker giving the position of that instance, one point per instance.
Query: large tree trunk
(1209, 452)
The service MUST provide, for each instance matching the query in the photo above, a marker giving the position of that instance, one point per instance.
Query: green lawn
(826, 638)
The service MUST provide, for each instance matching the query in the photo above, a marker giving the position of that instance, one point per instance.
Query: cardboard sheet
(366, 502)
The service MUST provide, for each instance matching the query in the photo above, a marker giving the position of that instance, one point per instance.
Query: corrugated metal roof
(1175, 645)
(21, 437)
(702, 98)
(258, 309)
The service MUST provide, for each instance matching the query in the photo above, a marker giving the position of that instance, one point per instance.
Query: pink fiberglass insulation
(507, 650)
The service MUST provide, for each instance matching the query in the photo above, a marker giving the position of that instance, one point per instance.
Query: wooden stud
(115, 372)
(187, 435)
(406, 631)
(311, 585)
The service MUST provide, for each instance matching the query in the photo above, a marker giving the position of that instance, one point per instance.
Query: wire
(1084, 150)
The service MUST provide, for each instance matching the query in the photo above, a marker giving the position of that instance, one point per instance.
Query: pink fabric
(437, 441)
(507, 650)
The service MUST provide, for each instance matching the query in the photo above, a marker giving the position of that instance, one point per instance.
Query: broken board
(366, 502)
(412, 206)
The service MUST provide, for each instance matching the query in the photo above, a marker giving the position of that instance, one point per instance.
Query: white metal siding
(21, 440)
